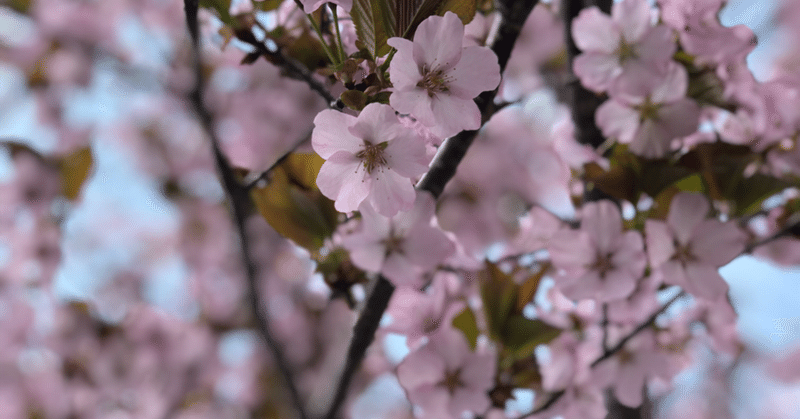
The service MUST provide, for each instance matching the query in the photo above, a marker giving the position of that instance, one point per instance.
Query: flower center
(394, 244)
(434, 81)
(648, 110)
(602, 264)
(683, 253)
(372, 155)
(452, 381)
(430, 324)
(626, 51)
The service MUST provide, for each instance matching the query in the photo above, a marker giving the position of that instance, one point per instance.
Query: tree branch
(608, 353)
(582, 102)
(239, 199)
(253, 182)
(443, 168)
(293, 69)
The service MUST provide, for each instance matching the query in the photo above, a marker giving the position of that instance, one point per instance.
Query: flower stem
(342, 55)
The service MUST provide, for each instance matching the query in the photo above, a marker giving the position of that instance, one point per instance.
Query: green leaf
(354, 99)
(468, 324)
(693, 183)
(619, 181)
(465, 9)
(221, 7)
(752, 191)
(723, 167)
(292, 204)
(307, 49)
(409, 19)
(499, 294)
(375, 24)
(21, 6)
(527, 290)
(522, 335)
(75, 170)
(267, 5)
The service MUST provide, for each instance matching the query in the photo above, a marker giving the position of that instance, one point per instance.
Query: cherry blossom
(371, 157)
(648, 111)
(436, 79)
(628, 371)
(417, 314)
(616, 45)
(689, 247)
(675, 80)
(401, 247)
(445, 378)
(599, 261)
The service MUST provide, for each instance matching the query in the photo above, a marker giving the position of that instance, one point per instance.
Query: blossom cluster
(586, 275)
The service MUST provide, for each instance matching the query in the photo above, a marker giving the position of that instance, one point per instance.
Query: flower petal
(331, 134)
(594, 30)
(440, 40)
(686, 212)
(476, 72)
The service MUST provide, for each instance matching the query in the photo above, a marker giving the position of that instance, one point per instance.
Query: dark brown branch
(363, 335)
(239, 199)
(292, 68)
(514, 13)
(790, 230)
(581, 101)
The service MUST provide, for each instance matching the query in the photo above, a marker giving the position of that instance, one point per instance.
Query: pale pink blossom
(446, 379)
(370, 158)
(613, 45)
(402, 247)
(649, 110)
(629, 369)
(701, 33)
(787, 368)
(599, 261)
(436, 79)
(312, 5)
(689, 247)
(417, 314)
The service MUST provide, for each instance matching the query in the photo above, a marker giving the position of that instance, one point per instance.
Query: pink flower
(628, 370)
(372, 157)
(612, 45)
(417, 315)
(436, 79)
(312, 5)
(598, 261)
(446, 379)
(786, 369)
(648, 111)
(402, 247)
(688, 248)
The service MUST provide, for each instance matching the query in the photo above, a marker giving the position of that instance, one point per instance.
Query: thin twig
(608, 353)
(240, 202)
(786, 231)
(265, 174)
(292, 68)
(443, 168)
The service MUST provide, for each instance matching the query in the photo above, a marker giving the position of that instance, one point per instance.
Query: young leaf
(499, 293)
(375, 24)
(222, 8)
(467, 324)
(74, 170)
(420, 10)
(465, 9)
(522, 335)
(293, 205)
